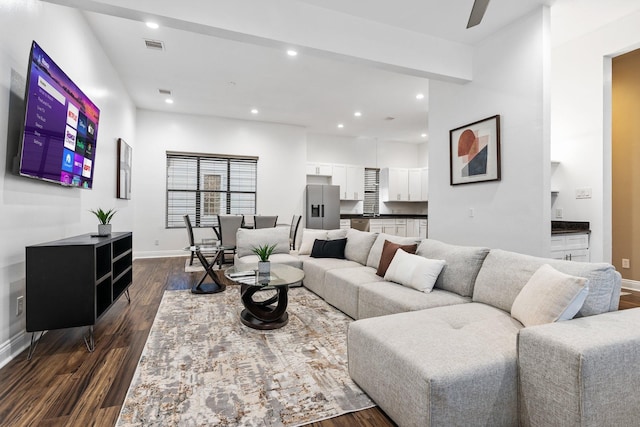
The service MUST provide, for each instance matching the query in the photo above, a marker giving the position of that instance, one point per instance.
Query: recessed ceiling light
(292, 52)
(420, 96)
(340, 125)
(153, 25)
(424, 135)
(254, 111)
(357, 114)
(169, 101)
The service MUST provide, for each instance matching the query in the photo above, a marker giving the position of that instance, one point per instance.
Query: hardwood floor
(64, 385)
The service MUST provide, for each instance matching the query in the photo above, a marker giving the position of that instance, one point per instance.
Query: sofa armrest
(582, 372)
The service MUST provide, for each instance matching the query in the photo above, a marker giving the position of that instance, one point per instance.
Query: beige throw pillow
(308, 237)
(414, 271)
(549, 296)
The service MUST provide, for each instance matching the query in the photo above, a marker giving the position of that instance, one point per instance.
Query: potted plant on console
(104, 226)
(264, 252)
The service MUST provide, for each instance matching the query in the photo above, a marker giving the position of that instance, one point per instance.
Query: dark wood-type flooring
(64, 385)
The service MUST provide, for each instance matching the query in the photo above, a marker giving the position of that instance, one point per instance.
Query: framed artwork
(124, 170)
(475, 152)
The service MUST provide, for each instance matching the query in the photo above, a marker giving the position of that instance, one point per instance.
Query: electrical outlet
(471, 212)
(19, 305)
(583, 193)
(157, 242)
(625, 263)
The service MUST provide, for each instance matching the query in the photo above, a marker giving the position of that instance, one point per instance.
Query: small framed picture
(475, 152)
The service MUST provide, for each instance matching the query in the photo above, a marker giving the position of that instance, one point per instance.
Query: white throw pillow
(308, 237)
(358, 245)
(414, 271)
(338, 233)
(549, 296)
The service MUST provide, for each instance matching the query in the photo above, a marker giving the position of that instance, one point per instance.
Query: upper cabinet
(404, 184)
(320, 169)
(351, 181)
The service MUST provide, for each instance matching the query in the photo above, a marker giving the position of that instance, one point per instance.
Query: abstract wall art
(475, 152)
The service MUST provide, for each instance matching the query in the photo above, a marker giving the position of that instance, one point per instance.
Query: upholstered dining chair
(192, 242)
(264, 221)
(227, 228)
(293, 232)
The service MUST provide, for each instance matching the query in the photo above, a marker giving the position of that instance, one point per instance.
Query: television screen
(60, 126)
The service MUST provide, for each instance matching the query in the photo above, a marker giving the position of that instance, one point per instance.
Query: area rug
(202, 366)
(196, 266)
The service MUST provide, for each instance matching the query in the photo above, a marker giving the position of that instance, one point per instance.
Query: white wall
(33, 211)
(510, 79)
(581, 124)
(281, 169)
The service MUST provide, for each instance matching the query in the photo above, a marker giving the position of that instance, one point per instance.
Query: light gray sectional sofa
(456, 357)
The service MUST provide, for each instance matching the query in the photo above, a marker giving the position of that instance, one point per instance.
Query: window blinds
(371, 191)
(204, 186)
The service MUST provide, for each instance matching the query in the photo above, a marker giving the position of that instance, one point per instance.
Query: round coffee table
(269, 313)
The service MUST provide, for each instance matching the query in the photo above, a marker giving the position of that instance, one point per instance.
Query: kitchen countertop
(383, 216)
(569, 227)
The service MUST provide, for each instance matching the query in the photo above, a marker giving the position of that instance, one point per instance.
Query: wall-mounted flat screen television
(60, 126)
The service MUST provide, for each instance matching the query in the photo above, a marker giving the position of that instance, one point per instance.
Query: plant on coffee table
(264, 252)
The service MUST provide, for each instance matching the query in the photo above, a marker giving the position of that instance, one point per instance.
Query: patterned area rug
(201, 366)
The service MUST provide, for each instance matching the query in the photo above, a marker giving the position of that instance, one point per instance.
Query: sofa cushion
(414, 271)
(388, 251)
(342, 287)
(389, 298)
(549, 296)
(308, 237)
(358, 245)
(338, 233)
(505, 273)
(373, 260)
(316, 268)
(246, 240)
(328, 248)
(446, 366)
(463, 263)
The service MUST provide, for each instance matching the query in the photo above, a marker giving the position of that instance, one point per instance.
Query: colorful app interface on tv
(61, 126)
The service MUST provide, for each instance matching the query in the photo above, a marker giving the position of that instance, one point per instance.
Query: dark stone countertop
(383, 216)
(569, 227)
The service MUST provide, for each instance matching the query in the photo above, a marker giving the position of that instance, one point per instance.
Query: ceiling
(212, 75)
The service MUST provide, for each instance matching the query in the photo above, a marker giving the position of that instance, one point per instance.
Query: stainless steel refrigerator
(323, 207)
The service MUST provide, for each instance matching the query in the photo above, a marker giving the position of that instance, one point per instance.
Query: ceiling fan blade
(477, 12)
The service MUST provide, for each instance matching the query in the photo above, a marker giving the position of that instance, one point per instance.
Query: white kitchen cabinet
(375, 226)
(571, 247)
(413, 227)
(345, 224)
(415, 184)
(424, 184)
(403, 184)
(424, 230)
(351, 181)
(319, 169)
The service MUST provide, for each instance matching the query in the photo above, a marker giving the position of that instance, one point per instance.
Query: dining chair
(264, 221)
(227, 227)
(293, 232)
(192, 242)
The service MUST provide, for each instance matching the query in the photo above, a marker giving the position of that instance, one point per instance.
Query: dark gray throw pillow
(328, 248)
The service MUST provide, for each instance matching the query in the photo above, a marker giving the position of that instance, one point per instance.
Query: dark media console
(72, 282)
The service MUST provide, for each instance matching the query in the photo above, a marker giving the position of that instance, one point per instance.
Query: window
(205, 185)
(371, 191)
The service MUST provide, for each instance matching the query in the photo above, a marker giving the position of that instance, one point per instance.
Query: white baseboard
(159, 254)
(631, 284)
(16, 345)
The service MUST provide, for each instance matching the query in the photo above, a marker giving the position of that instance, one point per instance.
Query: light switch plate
(583, 193)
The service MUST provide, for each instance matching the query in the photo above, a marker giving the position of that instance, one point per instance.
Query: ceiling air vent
(154, 44)
(389, 118)
(164, 91)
